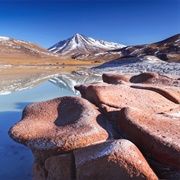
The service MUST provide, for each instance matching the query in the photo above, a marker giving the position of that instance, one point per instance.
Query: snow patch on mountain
(2, 38)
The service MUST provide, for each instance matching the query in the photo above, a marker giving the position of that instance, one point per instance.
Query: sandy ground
(31, 72)
(19, 68)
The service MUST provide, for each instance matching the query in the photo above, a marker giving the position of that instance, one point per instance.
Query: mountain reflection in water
(69, 80)
(17, 159)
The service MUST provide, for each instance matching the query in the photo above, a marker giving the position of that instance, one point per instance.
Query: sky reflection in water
(16, 159)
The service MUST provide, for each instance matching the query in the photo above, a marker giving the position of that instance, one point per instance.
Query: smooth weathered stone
(118, 159)
(154, 78)
(156, 135)
(116, 78)
(129, 95)
(143, 78)
(60, 125)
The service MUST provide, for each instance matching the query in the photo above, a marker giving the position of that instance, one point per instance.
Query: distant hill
(166, 50)
(11, 48)
(82, 44)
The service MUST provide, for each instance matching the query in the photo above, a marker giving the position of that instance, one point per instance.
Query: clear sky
(127, 22)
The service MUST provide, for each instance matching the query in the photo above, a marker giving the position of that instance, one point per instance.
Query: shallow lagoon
(16, 159)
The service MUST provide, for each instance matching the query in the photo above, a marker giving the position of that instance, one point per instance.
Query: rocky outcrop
(57, 126)
(161, 133)
(145, 109)
(60, 125)
(118, 159)
(84, 138)
(143, 78)
(166, 50)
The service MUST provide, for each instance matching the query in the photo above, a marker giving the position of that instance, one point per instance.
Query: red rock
(39, 171)
(143, 78)
(156, 135)
(154, 78)
(118, 159)
(116, 78)
(170, 93)
(127, 95)
(148, 77)
(60, 125)
(111, 114)
(142, 108)
(60, 167)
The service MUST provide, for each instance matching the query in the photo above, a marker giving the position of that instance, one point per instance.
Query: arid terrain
(166, 50)
(19, 74)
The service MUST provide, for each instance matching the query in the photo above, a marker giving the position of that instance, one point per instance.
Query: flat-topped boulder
(131, 95)
(60, 125)
(156, 135)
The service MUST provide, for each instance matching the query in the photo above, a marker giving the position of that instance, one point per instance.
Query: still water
(15, 159)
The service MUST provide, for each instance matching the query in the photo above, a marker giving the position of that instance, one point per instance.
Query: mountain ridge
(13, 48)
(167, 50)
(82, 44)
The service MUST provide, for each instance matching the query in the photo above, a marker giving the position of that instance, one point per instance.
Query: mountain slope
(11, 48)
(139, 65)
(82, 44)
(167, 50)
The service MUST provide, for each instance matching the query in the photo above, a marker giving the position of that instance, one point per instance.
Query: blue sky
(127, 22)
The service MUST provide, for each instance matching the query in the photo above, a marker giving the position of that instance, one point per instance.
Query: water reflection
(68, 81)
(16, 159)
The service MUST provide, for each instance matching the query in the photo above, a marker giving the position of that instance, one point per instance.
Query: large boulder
(156, 135)
(115, 78)
(128, 95)
(60, 125)
(57, 126)
(143, 78)
(145, 109)
(118, 159)
(149, 98)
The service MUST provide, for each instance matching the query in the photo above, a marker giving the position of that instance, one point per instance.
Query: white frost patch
(2, 38)
(176, 114)
(178, 40)
(105, 149)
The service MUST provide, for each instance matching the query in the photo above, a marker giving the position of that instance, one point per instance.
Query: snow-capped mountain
(82, 44)
(167, 50)
(11, 48)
